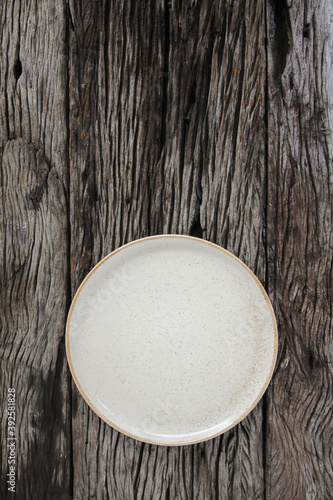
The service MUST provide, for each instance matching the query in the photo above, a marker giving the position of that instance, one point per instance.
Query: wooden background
(126, 118)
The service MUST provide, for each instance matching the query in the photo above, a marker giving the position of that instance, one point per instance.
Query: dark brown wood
(164, 141)
(34, 268)
(123, 119)
(33, 295)
(300, 243)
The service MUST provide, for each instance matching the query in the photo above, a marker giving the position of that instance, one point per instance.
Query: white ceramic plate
(171, 340)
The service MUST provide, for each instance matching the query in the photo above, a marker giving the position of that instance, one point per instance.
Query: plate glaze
(171, 340)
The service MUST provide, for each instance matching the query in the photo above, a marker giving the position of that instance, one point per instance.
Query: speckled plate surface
(171, 340)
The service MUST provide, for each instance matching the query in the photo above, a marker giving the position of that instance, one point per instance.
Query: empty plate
(171, 340)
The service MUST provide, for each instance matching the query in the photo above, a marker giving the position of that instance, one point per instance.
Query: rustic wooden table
(126, 118)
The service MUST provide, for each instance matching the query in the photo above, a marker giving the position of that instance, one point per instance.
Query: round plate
(171, 340)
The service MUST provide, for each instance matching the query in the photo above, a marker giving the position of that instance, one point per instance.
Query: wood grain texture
(166, 136)
(34, 246)
(300, 166)
(33, 304)
(124, 119)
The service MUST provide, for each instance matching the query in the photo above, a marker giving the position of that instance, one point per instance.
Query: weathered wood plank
(33, 258)
(300, 243)
(33, 304)
(34, 77)
(166, 135)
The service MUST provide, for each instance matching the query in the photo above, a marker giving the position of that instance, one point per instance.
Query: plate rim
(152, 441)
